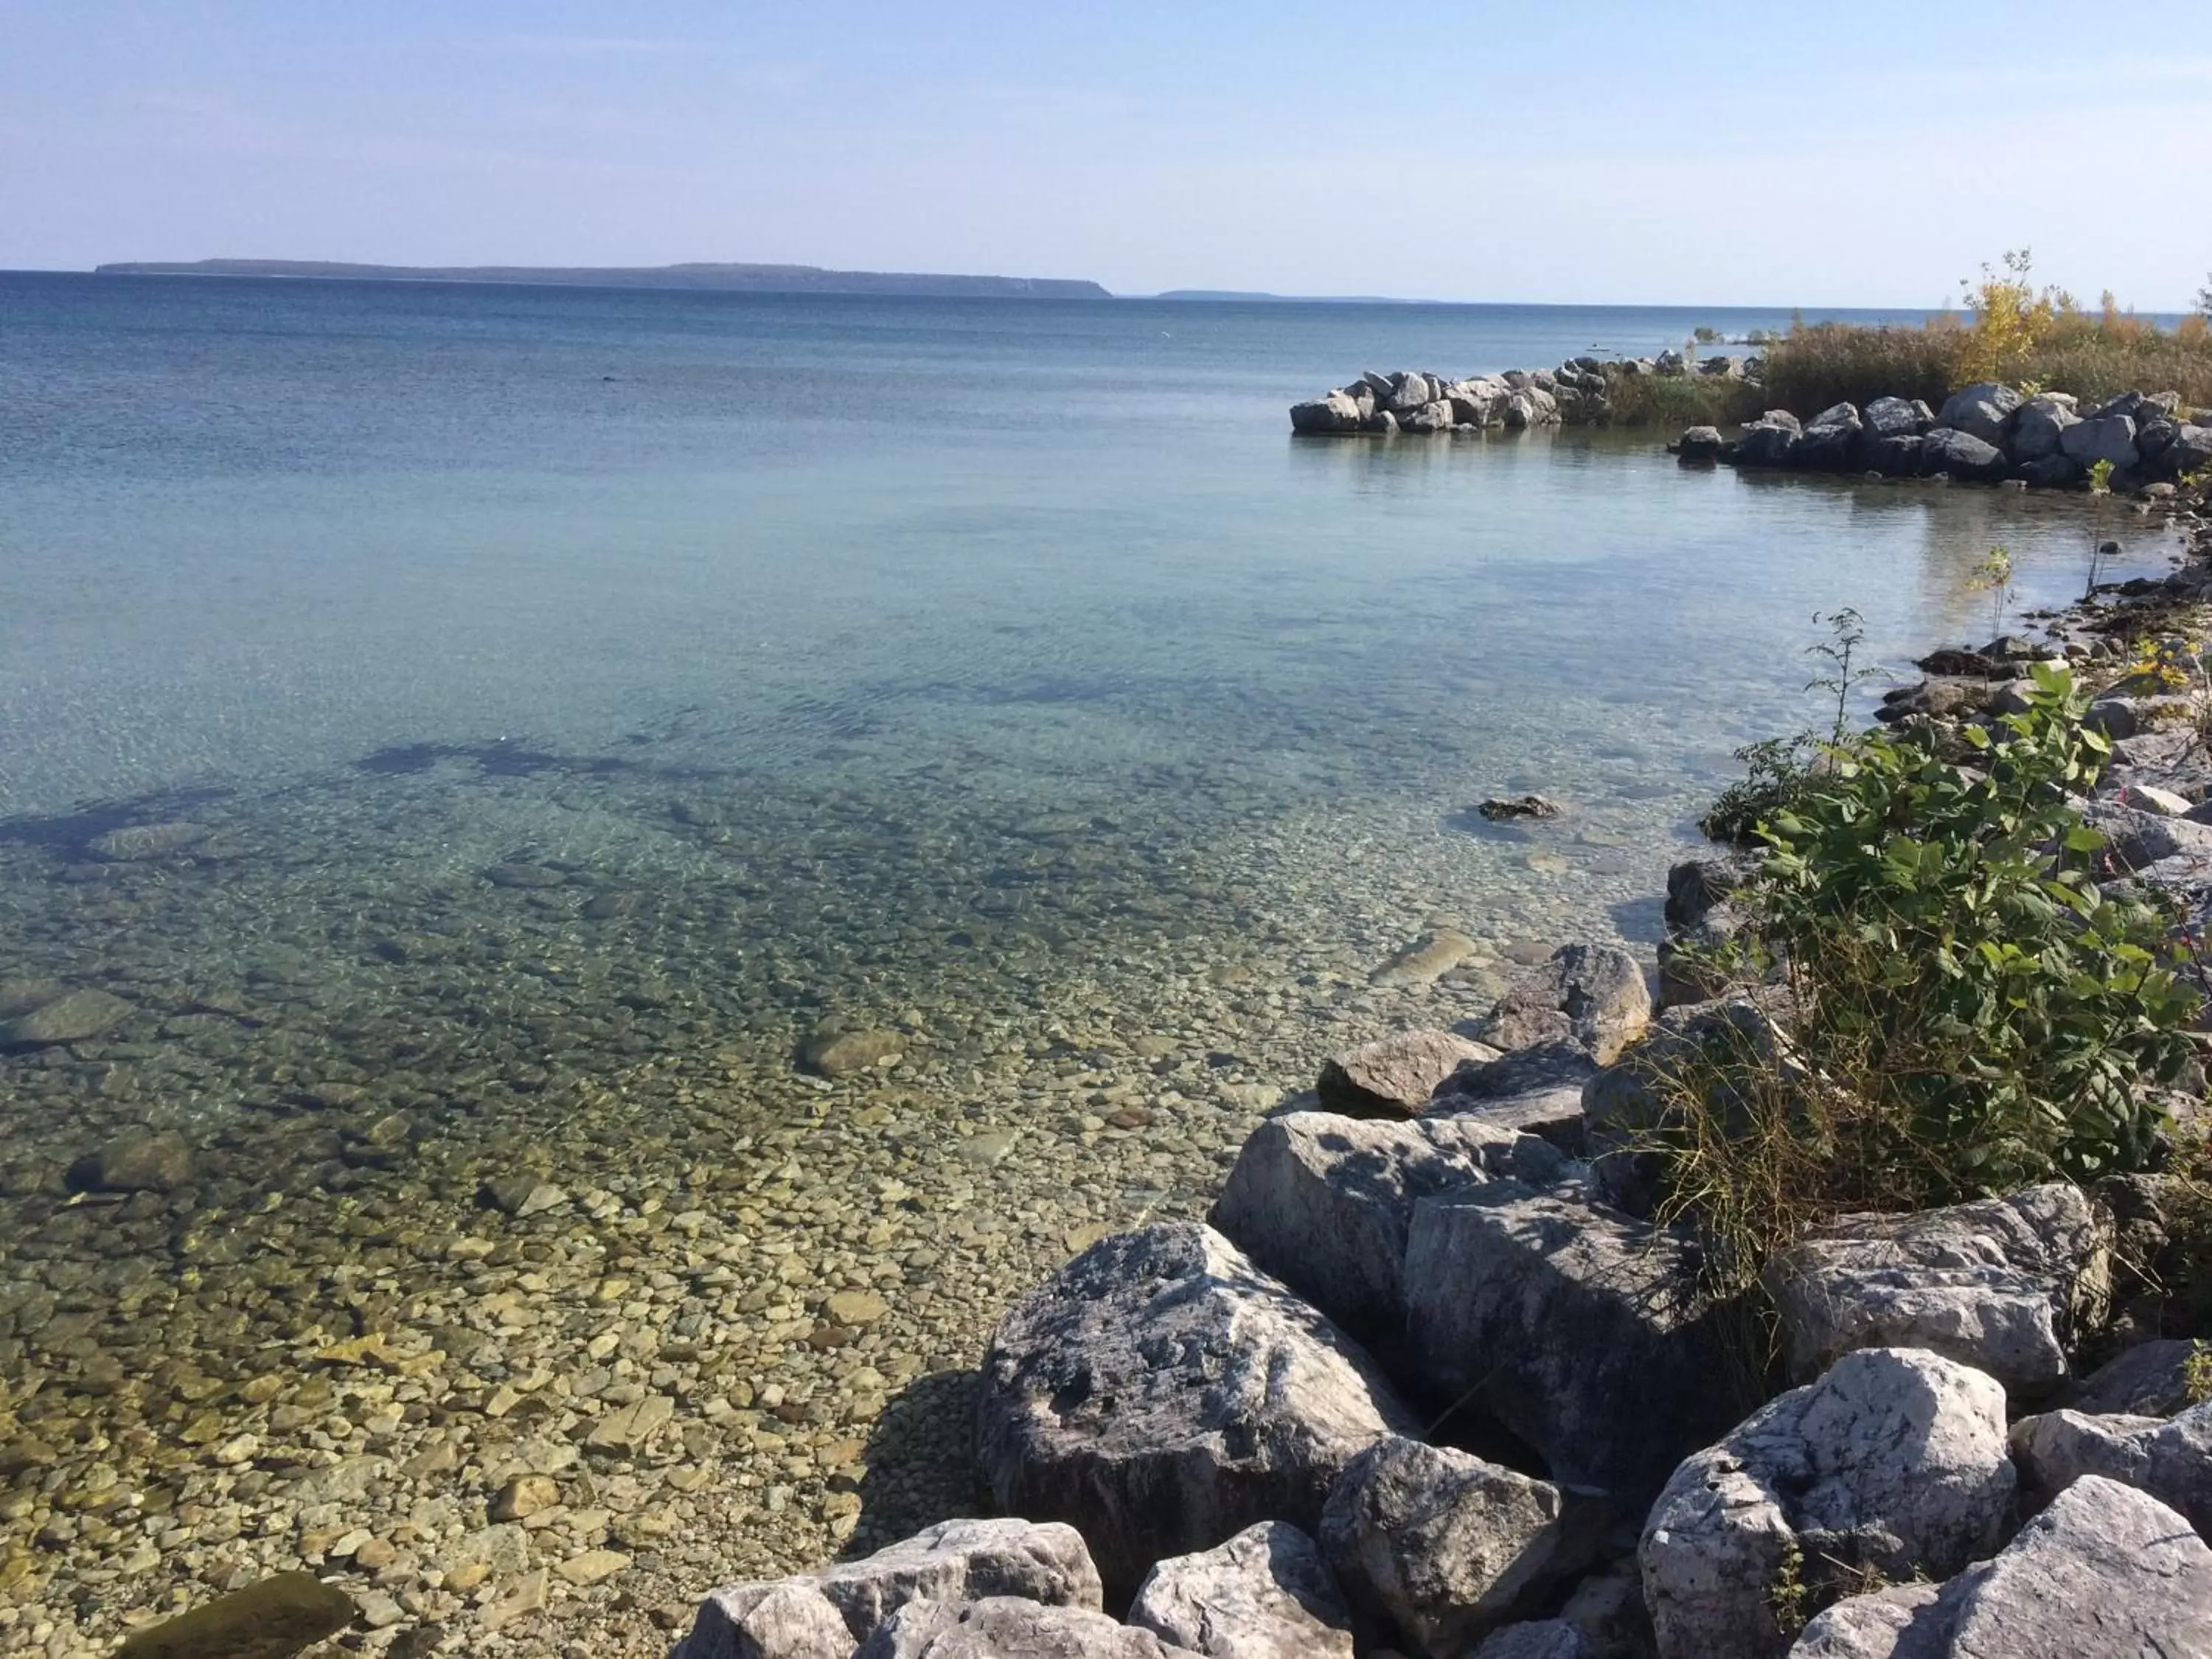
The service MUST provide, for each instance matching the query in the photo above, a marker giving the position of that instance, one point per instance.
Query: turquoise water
(548, 711)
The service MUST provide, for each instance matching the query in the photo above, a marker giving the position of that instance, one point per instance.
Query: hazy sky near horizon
(1698, 152)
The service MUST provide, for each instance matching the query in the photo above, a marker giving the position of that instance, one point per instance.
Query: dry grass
(1680, 400)
(2095, 356)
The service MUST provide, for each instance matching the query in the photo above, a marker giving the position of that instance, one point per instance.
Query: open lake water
(476, 735)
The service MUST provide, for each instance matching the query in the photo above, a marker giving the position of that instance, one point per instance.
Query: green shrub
(1969, 1013)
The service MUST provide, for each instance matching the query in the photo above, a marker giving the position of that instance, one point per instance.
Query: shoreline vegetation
(2040, 343)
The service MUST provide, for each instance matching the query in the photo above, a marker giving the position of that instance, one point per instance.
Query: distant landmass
(1289, 299)
(720, 278)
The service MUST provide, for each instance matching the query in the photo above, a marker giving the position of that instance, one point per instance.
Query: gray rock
(1266, 1594)
(1700, 444)
(2135, 839)
(2100, 438)
(1770, 441)
(1007, 1627)
(1323, 1203)
(1961, 455)
(73, 1017)
(1409, 392)
(2148, 1380)
(1442, 1545)
(155, 1162)
(2170, 1458)
(789, 1619)
(143, 843)
(1894, 418)
(2105, 1572)
(1337, 412)
(1578, 1328)
(1689, 1047)
(1162, 1394)
(1893, 1461)
(1830, 440)
(1435, 416)
(1900, 457)
(2001, 1284)
(1984, 410)
(2190, 452)
(1596, 995)
(952, 1561)
(2037, 429)
(1394, 1076)
(839, 1050)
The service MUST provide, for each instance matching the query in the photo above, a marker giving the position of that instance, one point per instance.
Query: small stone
(158, 1162)
(1518, 806)
(272, 1620)
(542, 1197)
(466, 1577)
(836, 1052)
(523, 875)
(525, 1594)
(137, 841)
(633, 1427)
(855, 1308)
(988, 1149)
(374, 1555)
(525, 1496)
(593, 1566)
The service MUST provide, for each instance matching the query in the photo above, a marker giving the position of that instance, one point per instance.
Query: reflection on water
(425, 859)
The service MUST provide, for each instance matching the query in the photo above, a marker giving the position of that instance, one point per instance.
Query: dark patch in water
(507, 757)
(68, 832)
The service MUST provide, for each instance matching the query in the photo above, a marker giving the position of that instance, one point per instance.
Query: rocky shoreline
(1431, 1381)
(1577, 392)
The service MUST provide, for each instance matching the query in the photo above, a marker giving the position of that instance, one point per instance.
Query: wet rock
(524, 875)
(1442, 1545)
(1515, 808)
(1427, 959)
(1007, 1627)
(1323, 1201)
(1578, 1327)
(156, 1161)
(1336, 413)
(1961, 455)
(1596, 995)
(1893, 1461)
(2105, 1572)
(837, 1051)
(272, 1619)
(2000, 1284)
(73, 1017)
(1162, 1394)
(139, 842)
(1394, 1076)
(1984, 409)
(1770, 441)
(2169, 1458)
(1266, 1594)
(1698, 445)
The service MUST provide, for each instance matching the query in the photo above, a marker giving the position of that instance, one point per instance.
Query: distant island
(718, 278)
(1288, 299)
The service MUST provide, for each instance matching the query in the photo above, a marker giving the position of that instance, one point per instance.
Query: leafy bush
(1970, 1013)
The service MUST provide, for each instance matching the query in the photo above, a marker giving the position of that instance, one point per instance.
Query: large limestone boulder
(1578, 1327)
(1894, 418)
(2105, 1572)
(2000, 1284)
(2100, 438)
(1538, 1090)
(1961, 455)
(1770, 441)
(799, 1617)
(1323, 1203)
(1441, 1545)
(1595, 993)
(2037, 429)
(2169, 1458)
(1394, 1076)
(1007, 1627)
(1830, 439)
(1266, 1594)
(2150, 1379)
(1408, 393)
(1161, 1394)
(1539, 1639)
(1983, 410)
(1893, 1461)
(1338, 412)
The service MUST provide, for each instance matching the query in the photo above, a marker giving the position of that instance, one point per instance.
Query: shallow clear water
(576, 699)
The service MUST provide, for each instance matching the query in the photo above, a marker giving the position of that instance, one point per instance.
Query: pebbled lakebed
(570, 942)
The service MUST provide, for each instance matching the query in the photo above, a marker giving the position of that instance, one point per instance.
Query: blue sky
(1689, 153)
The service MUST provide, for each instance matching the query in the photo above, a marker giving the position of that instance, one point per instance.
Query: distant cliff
(742, 279)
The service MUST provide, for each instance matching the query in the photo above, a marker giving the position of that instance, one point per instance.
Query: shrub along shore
(1839, 1296)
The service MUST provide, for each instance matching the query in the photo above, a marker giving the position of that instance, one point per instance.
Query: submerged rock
(1518, 807)
(837, 1051)
(73, 1017)
(156, 1161)
(1266, 1594)
(272, 1619)
(1427, 959)
(1961, 455)
(140, 842)
(1162, 1394)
